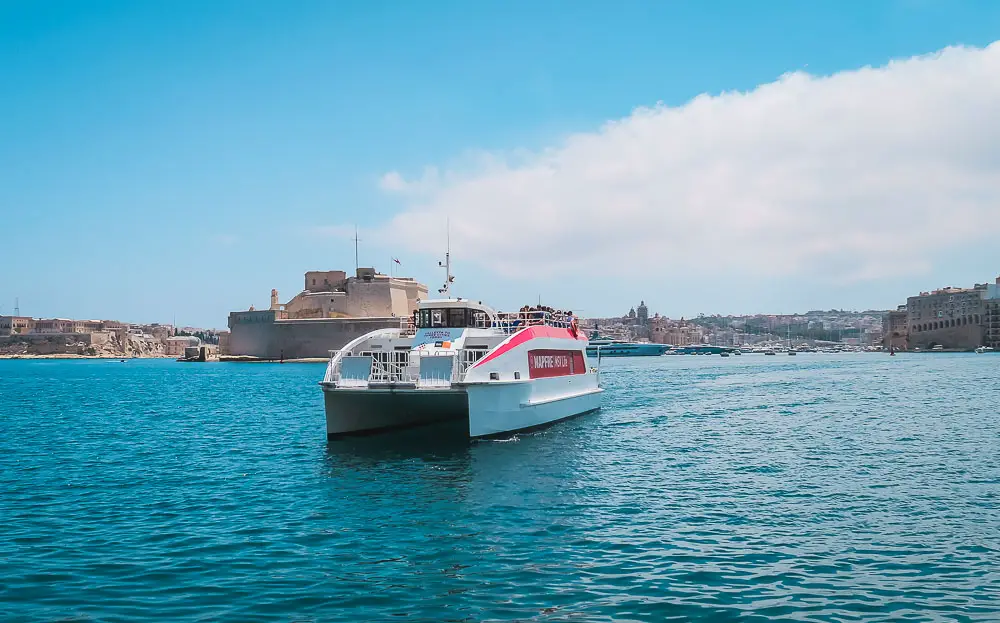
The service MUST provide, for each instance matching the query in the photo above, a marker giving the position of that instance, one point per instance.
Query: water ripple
(828, 488)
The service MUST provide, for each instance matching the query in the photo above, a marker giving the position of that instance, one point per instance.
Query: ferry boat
(606, 347)
(458, 359)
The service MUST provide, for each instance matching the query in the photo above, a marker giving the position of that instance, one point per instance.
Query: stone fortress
(330, 311)
(948, 318)
(331, 294)
(954, 318)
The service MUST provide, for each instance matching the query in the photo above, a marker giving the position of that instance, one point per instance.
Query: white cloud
(860, 175)
(393, 182)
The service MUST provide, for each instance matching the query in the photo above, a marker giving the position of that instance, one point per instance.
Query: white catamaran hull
(353, 411)
(519, 406)
(488, 410)
(533, 377)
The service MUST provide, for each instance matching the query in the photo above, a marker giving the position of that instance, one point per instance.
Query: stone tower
(642, 313)
(274, 299)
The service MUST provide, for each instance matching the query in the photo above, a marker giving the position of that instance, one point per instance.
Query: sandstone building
(330, 311)
(954, 318)
(992, 315)
(895, 330)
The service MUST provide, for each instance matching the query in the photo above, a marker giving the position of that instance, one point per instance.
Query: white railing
(332, 374)
(392, 366)
(403, 367)
(467, 357)
(512, 322)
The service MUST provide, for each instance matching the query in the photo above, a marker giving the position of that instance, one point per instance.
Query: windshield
(453, 317)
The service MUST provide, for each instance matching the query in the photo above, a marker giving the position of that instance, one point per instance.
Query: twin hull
(535, 377)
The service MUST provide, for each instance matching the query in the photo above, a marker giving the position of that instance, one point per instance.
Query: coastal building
(105, 337)
(224, 343)
(332, 310)
(676, 332)
(634, 325)
(992, 315)
(895, 329)
(174, 346)
(952, 318)
(53, 325)
(87, 326)
(23, 325)
(637, 321)
(160, 332)
(14, 325)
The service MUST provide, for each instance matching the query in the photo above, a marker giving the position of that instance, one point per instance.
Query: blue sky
(162, 160)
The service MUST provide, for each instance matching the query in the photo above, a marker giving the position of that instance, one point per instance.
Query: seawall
(265, 338)
(966, 337)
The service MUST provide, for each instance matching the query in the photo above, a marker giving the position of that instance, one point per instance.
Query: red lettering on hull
(546, 363)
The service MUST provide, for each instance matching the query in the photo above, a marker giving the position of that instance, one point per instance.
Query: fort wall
(299, 338)
(965, 337)
(369, 295)
(332, 310)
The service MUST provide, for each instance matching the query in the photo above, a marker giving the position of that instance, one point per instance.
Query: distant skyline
(162, 160)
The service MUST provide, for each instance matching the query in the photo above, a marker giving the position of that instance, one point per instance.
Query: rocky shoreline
(73, 345)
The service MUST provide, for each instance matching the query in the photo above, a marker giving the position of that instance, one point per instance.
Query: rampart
(964, 337)
(265, 337)
(332, 310)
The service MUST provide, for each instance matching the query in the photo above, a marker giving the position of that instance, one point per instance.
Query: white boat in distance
(458, 359)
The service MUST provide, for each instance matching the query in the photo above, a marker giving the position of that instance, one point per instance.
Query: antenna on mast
(446, 290)
(17, 307)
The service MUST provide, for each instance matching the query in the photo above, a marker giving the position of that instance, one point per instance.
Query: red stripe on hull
(530, 333)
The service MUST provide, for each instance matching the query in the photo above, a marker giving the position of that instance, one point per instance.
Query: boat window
(456, 317)
(479, 319)
(437, 317)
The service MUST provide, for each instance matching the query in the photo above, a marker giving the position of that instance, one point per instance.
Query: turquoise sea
(853, 487)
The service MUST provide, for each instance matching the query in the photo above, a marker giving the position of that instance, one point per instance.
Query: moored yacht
(459, 359)
(607, 347)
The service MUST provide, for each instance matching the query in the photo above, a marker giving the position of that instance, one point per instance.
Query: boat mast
(446, 290)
